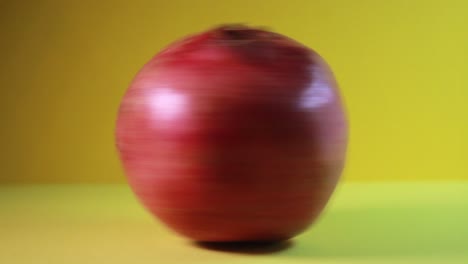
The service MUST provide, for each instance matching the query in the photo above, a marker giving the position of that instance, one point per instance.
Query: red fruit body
(234, 134)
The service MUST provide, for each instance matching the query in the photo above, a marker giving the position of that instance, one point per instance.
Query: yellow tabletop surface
(364, 223)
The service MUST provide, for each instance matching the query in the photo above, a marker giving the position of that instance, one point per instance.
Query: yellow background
(402, 66)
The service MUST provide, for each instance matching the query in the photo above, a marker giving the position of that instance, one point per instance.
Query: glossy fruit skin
(233, 134)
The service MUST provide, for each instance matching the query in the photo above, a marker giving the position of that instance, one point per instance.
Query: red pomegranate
(233, 134)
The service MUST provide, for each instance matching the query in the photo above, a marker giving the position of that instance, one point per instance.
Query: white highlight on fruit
(318, 94)
(167, 104)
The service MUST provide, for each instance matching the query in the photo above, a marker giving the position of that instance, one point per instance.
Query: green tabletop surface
(401, 222)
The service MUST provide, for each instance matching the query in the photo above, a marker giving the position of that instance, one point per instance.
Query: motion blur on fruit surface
(233, 134)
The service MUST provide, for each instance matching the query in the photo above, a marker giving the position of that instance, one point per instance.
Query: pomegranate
(233, 134)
